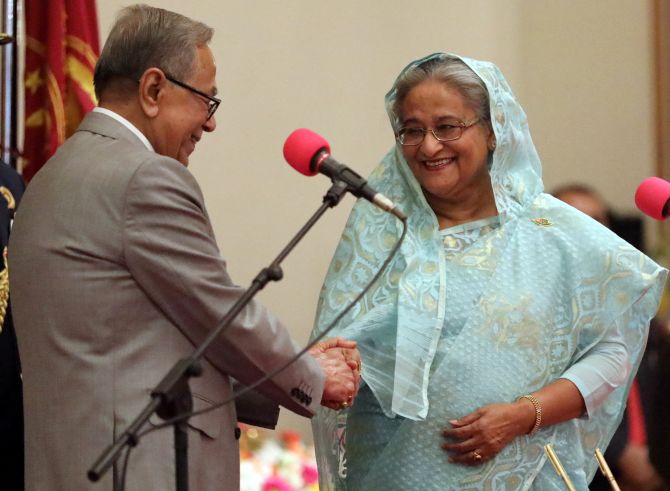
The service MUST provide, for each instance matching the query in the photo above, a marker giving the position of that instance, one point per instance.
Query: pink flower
(276, 483)
(309, 474)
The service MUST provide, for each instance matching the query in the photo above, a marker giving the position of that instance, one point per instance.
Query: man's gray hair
(449, 70)
(144, 37)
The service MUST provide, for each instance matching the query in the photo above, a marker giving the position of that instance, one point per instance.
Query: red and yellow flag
(61, 50)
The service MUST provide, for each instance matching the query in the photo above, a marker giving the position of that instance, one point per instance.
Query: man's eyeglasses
(212, 102)
(443, 132)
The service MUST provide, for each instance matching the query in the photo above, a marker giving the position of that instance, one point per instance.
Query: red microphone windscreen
(651, 196)
(301, 146)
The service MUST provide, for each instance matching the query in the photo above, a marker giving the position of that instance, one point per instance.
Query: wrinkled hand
(341, 362)
(485, 432)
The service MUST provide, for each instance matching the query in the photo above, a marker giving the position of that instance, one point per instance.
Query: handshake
(341, 363)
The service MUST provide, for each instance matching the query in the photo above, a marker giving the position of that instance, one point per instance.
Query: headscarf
(558, 282)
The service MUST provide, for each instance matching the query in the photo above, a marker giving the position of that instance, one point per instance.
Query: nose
(210, 124)
(430, 145)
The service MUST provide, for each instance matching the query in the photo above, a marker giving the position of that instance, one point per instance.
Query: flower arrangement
(270, 463)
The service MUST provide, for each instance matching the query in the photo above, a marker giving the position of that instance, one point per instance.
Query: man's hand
(341, 362)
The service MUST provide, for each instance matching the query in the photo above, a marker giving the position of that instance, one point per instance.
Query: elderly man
(116, 275)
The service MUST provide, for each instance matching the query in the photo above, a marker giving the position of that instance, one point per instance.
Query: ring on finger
(477, 456)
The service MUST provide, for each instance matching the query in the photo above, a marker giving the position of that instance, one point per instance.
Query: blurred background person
(628, 452)
(586, 199)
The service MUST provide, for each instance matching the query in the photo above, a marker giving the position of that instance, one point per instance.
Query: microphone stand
(172, 396)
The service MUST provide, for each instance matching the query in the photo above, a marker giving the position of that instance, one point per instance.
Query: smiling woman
(452, 171)
(505, 314)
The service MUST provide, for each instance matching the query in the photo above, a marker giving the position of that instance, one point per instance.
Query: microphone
(309, 153)
(652, 197)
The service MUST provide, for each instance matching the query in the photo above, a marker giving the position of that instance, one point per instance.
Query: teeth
(437, 163)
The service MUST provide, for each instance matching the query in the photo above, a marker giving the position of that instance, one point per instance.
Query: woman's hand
(482, 434)
(341, 363)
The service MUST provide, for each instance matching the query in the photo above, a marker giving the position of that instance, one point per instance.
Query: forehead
(432, 100)
(587, 203)
(204, 61)
(204, 74)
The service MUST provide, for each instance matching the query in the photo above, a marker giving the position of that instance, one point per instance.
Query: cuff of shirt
(583, 389)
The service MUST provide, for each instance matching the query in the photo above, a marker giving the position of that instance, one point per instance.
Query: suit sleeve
(170, 250)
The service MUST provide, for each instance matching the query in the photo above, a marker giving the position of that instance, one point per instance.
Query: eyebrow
(439, 120)
(405, 122)
(450, 118)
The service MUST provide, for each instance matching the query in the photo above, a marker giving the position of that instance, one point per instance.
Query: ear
(491, 140)
(151, 91)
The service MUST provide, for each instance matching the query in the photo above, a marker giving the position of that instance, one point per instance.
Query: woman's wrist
(532, 413)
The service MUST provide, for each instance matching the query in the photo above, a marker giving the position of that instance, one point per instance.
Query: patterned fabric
(479, 316)
(62, 48)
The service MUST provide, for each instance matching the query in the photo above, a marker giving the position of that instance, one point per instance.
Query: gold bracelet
(538, 411)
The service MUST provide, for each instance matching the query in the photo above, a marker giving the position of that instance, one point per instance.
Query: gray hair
(144, 37)
(451, 71)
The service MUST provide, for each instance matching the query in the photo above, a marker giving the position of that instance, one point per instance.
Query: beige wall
(588, 87)
(581, 70)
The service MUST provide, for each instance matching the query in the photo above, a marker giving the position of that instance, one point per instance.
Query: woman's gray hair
(144, 37)
(451, 71)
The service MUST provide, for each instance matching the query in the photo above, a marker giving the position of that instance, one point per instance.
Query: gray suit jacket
(116, 275)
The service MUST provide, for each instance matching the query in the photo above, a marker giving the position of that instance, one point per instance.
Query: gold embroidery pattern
(544, 222)
(467, 249)
(7, 194)
(4, 289)
(4, 274)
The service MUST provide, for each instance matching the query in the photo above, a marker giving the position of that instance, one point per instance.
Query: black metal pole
(181, 455)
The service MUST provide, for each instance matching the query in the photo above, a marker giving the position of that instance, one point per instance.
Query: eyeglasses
(443, 132)
(212, 102)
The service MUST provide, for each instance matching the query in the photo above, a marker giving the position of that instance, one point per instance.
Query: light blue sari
(442, 334)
